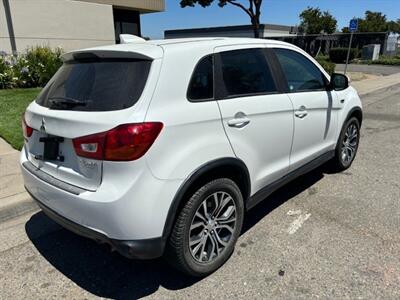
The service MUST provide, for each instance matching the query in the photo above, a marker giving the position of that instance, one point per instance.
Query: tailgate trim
(52, 180)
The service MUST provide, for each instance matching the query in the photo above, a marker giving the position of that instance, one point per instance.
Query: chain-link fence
(321, 43)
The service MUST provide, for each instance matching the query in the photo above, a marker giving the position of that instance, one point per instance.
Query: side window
(301, 74)
(201, 86)
(246, 72)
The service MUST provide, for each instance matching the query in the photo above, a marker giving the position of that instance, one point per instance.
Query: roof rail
(130, 38)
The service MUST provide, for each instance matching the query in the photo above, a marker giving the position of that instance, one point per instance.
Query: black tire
(178, 252)
(339, 163)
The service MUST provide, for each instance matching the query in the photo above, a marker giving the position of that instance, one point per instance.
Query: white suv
(160, 147)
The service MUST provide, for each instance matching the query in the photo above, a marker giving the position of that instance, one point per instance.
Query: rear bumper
(128, 210)
(139, 249)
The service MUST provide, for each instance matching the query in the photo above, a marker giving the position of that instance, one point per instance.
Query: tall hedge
(327, 65)
(339, 55)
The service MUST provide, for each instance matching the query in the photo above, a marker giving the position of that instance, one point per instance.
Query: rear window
(96, 85)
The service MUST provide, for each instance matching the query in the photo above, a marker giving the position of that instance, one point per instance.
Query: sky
(283, 12)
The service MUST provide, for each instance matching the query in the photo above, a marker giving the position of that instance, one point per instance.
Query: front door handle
(240, 120)
(301, 112)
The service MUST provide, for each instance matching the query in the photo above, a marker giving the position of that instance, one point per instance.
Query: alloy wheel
(349, 145)
(212, 227)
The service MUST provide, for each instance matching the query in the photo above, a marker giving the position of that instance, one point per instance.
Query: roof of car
(214, 41)
(154, 48)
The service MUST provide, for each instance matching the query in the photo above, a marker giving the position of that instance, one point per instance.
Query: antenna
(130, 38)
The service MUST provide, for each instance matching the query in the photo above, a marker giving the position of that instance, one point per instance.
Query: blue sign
(353, 25)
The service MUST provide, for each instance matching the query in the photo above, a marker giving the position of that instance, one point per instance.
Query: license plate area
(51, 149)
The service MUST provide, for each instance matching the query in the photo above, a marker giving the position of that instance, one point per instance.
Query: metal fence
(321, 43)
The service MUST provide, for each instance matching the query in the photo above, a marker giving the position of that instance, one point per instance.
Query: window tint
(300, 72)
(101, 85)
(246, 72)
(201, 86)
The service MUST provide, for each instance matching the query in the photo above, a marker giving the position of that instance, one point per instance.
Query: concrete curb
(14, 200)
(17, 209)
(364, 94)
(369, 86)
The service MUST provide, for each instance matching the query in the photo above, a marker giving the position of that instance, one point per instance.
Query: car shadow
(94, 268)
(282, 195)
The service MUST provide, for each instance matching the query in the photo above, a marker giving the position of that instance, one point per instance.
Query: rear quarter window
(96, 85)
(201, 86)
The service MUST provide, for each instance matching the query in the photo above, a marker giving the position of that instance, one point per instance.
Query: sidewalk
(368, 86)
(14, 201)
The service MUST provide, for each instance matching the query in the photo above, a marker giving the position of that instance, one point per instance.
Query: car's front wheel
(207, 228)
(347, 145)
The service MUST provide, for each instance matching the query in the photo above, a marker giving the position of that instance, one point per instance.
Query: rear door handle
(301, 112)
(240, 120)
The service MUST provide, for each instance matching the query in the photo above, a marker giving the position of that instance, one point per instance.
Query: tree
(253, 10)
(373, 22)
(313, 21)
(393, 26)
(346, 29)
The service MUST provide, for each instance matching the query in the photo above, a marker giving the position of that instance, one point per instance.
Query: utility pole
(348, 53)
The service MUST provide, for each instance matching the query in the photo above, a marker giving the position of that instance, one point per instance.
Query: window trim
(221, 93)
(276, 70)
(191, 78)
(325, 79)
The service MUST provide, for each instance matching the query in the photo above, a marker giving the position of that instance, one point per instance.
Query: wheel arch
(355, 112)
(232, 168)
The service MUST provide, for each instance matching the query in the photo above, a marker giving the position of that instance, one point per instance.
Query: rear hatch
(89, 94)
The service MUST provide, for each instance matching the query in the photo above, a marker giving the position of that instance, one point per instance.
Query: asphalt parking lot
(323, 235)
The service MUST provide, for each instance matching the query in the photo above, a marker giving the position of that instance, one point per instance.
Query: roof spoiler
(130, 38)
(103, 54)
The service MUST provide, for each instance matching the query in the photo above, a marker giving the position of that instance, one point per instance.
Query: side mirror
(339, 82)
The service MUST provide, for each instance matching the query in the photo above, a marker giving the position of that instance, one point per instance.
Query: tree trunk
(256, 29)
(255, 20)
(254, 15)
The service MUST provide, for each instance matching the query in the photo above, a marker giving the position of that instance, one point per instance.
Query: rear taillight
(26, 130)
(123, 143)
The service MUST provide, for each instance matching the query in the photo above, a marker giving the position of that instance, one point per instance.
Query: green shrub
(386, 61)
(37, 66)
(327, 65)
(339, 55)
(6, 75)
(322, 57)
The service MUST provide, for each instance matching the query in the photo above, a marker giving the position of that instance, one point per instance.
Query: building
(70, 24)
(266, 30)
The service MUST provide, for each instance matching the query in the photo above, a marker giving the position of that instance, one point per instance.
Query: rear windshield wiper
(65, 101)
